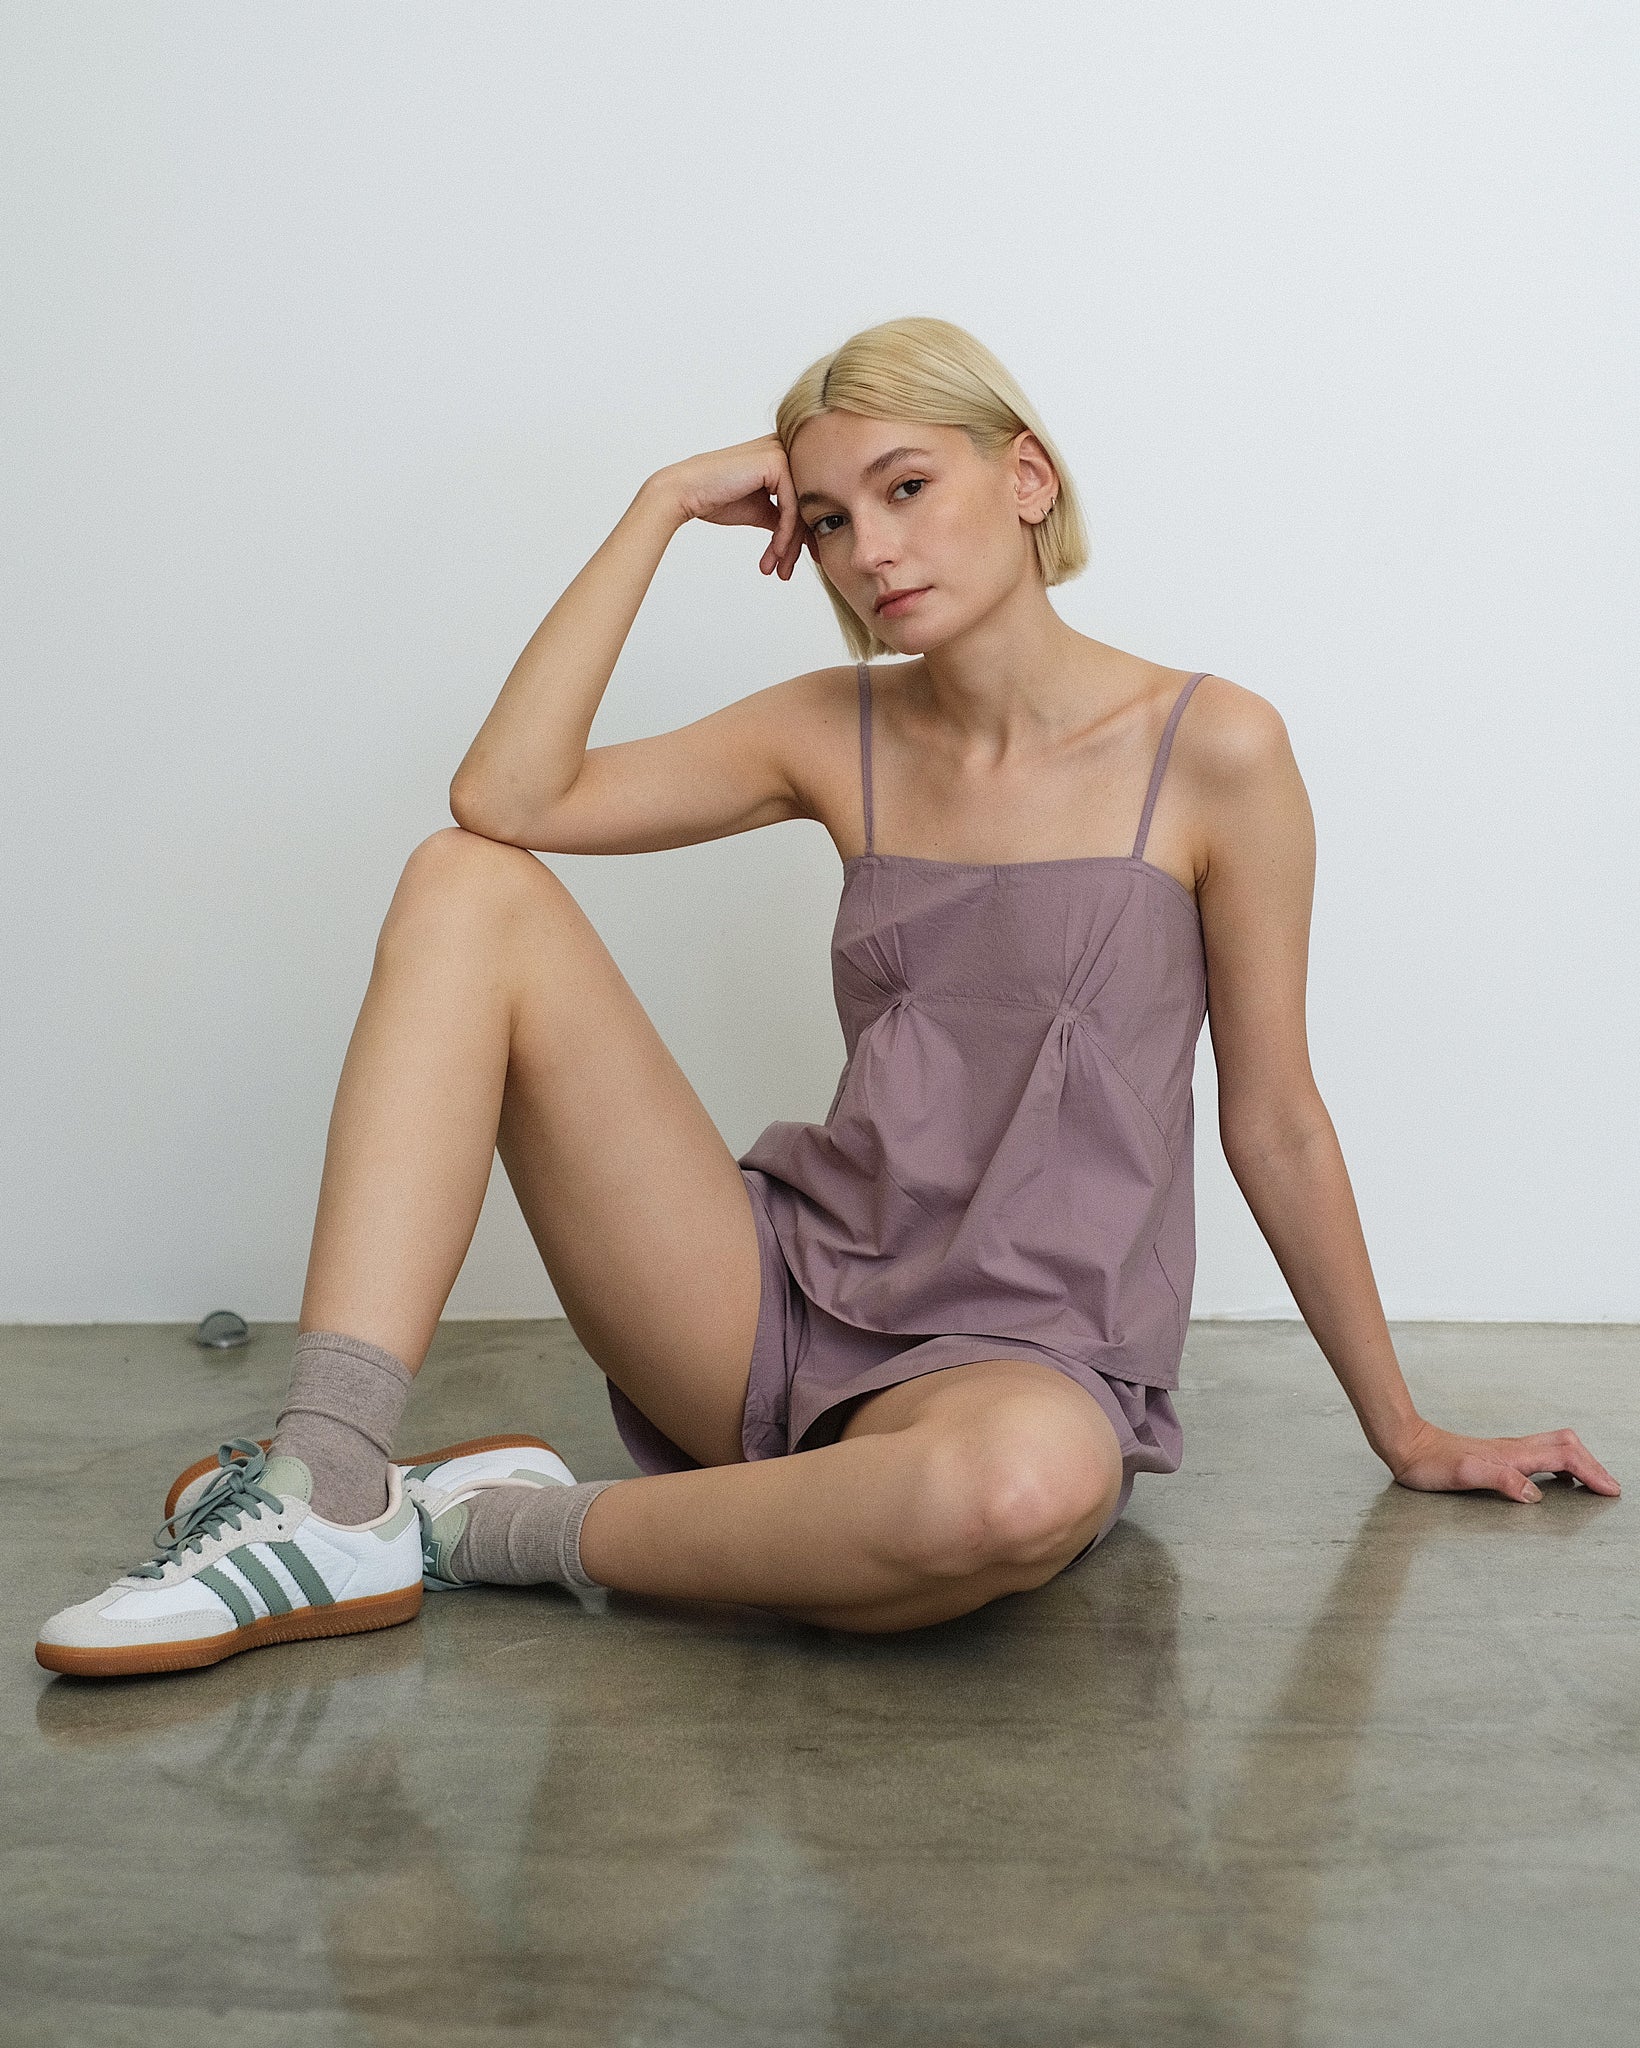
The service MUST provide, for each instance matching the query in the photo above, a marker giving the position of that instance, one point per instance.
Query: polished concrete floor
(1296, 1757)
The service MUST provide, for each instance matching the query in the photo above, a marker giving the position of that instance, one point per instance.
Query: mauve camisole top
(1009, 1148)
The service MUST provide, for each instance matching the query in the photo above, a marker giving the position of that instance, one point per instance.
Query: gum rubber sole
(477, 1443)
(340, 1618)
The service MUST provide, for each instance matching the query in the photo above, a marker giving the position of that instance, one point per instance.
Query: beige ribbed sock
(526, 1535)
(340, 1417)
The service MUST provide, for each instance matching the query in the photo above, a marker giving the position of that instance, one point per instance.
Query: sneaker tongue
(288, 1477)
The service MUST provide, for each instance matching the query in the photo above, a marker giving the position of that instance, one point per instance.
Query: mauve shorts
(808, 1369)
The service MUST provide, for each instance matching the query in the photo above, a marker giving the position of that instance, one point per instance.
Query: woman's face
(898, 505)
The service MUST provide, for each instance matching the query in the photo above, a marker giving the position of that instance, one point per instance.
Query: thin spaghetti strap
(1162, 753)
(865, 746)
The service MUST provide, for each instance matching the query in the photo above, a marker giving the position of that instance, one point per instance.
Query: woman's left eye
(917, 480)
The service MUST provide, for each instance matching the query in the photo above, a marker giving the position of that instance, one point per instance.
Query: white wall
(338, 336)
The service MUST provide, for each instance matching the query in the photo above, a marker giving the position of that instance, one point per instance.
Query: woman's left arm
(1255, 867)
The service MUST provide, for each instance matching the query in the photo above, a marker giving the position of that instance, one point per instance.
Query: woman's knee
(1020, 1492)
(454, 858)
(457, 869)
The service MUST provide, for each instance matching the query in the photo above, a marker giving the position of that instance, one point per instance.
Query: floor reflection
(520, 1815)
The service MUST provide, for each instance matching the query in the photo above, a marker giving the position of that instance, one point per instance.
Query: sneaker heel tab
(401, 1509)
(289, 1478)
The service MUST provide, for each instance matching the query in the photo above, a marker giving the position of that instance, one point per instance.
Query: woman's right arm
(529, 777)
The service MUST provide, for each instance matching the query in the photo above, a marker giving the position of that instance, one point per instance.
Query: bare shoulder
(819, 699)
(1255, 830)
(796, 726)
(1229, 736)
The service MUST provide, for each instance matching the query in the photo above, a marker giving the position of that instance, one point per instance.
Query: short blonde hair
(919, 368)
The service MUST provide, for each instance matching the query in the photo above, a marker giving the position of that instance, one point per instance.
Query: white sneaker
(457, 1470)
(246, 1564)
(441, 1487)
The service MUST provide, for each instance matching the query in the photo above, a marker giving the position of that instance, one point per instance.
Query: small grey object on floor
(1296, 1757)
(222, 1330)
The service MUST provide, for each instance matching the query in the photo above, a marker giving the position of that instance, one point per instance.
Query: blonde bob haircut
(922, 369)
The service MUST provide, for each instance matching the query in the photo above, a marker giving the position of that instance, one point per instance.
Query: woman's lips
(903, 602)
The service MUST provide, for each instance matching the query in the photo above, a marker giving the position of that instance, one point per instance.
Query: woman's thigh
(636, 1204)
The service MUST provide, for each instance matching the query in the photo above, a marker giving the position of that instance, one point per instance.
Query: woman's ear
(1035, 484)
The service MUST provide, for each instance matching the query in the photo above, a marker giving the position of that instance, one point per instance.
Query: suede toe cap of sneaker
(89, 1626)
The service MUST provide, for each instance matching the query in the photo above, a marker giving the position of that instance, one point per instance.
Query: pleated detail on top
(1009, 1151)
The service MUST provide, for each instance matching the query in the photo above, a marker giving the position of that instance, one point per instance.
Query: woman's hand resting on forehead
(749, 484)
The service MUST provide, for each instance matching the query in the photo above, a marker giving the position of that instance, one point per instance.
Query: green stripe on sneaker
(228, 1593)
(303, 1570)
(256, 1573)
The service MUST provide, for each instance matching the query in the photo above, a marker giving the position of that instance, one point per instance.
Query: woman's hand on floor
(1438, 1461)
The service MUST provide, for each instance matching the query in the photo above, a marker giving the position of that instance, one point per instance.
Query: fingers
(786, 545)
(1444, 1462)
(1477, 1471)
(1559, 1450)
(774, 515)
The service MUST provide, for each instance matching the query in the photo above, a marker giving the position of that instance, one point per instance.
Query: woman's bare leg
(496, 1016)
(941, 1493)
(495, 1019)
